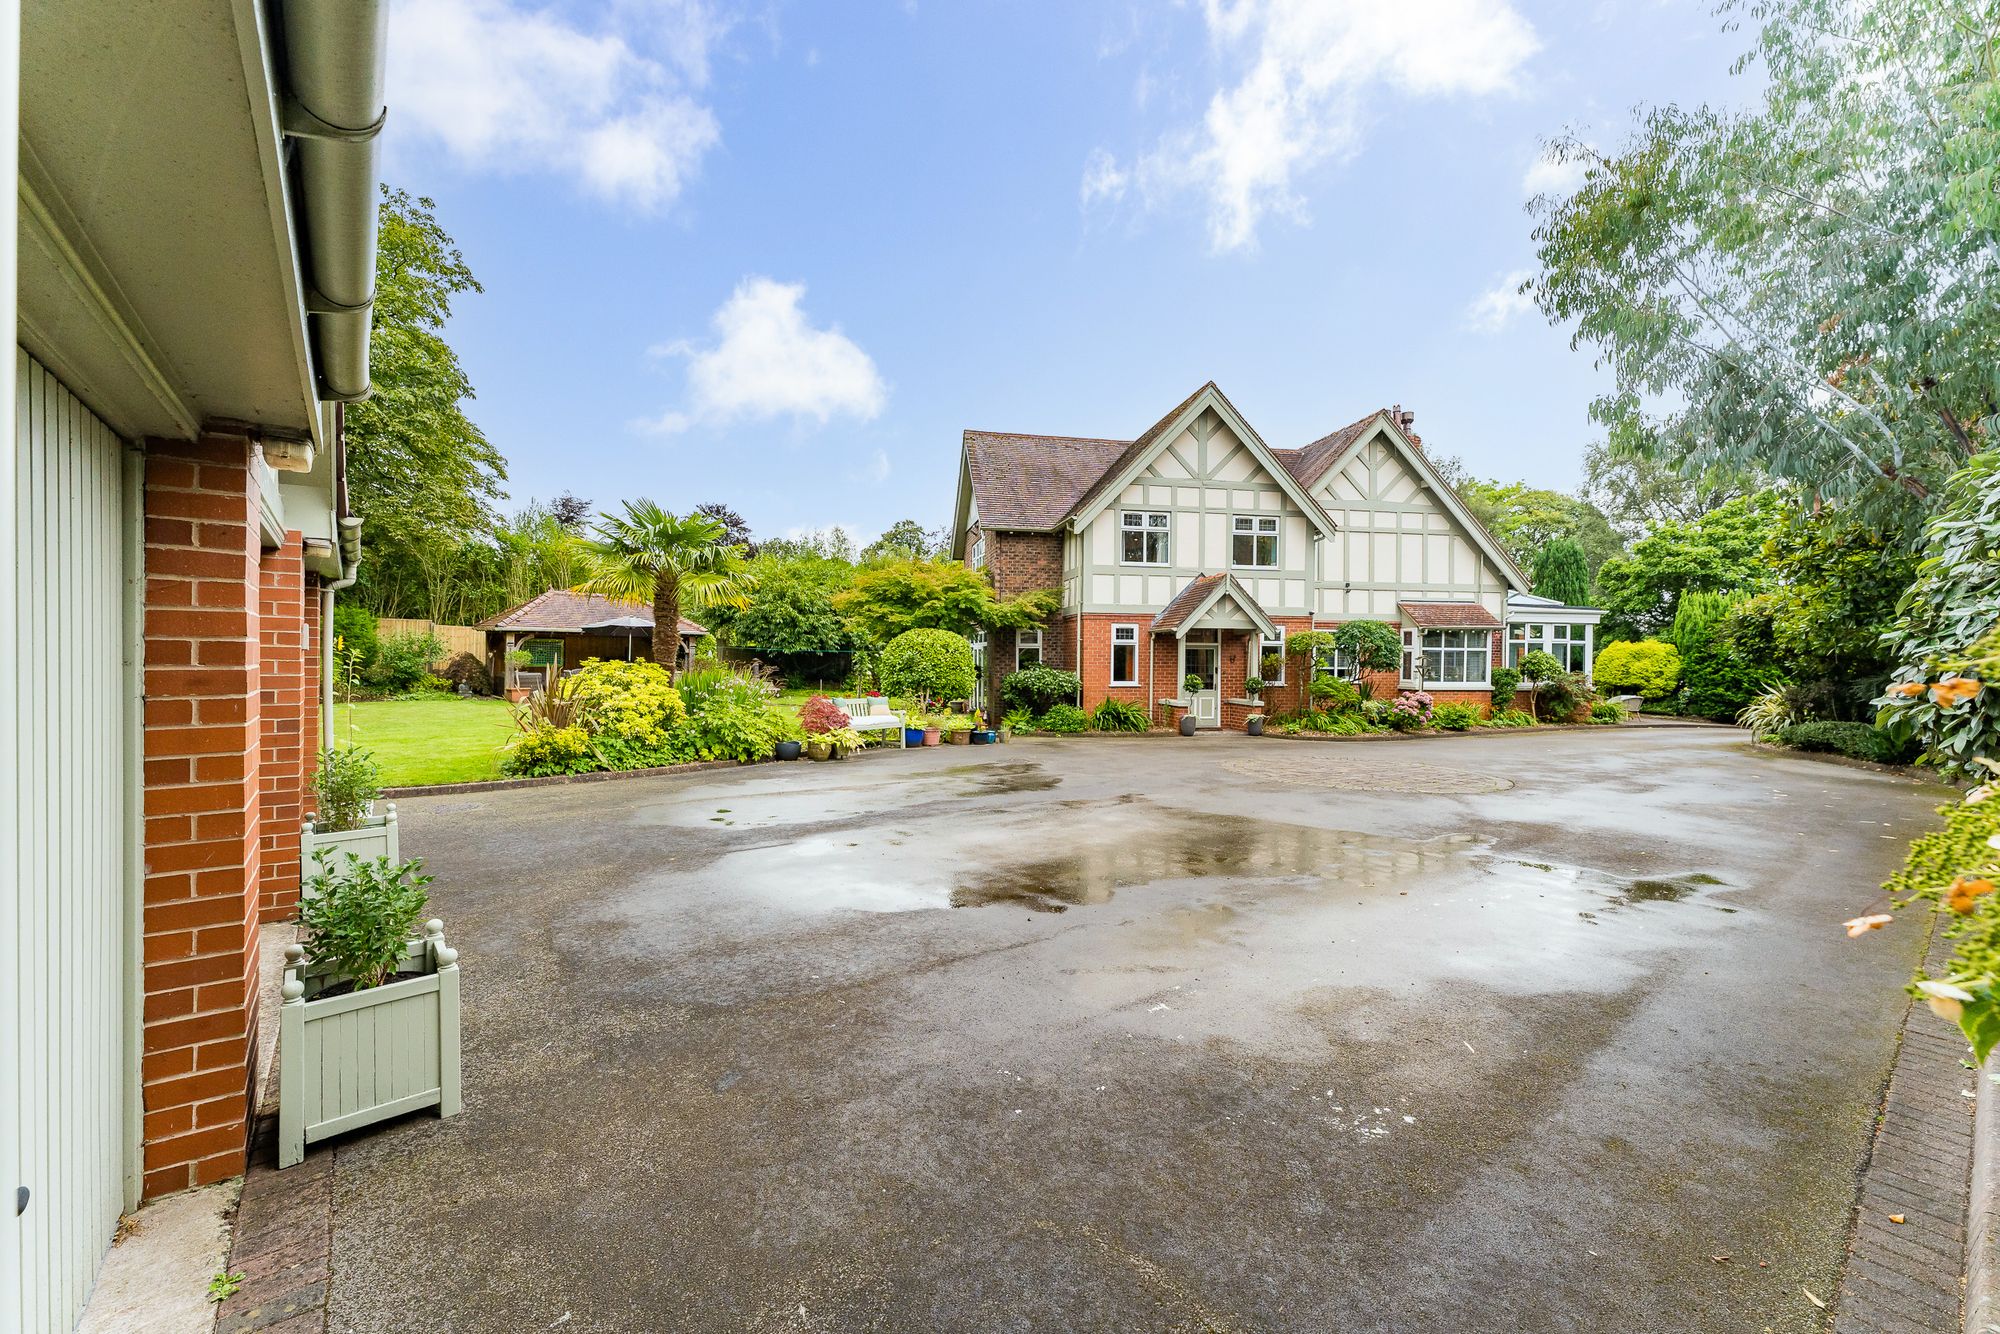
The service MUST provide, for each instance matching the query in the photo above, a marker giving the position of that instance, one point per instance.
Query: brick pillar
(203, 696)
(286, 744)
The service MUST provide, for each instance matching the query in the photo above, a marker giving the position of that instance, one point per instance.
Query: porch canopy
(1213, 602)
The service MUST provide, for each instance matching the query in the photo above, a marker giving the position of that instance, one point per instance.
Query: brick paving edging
(283, 1247)
(1910, 1276)
(1982, 1223)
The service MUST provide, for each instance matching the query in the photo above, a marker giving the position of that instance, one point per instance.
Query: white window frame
(1413, 643)
(1147, 529)
(1263, 648)
(978, 552)
(1125, 636)
(1253, 527)
(1575, 644)
(1026, 639)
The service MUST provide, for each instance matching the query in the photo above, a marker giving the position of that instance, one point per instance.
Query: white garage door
(63, 950)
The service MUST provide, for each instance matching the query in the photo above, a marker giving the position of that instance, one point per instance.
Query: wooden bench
(871, 713)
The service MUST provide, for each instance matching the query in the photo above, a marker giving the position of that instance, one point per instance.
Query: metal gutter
(347, 551)
(334, 110)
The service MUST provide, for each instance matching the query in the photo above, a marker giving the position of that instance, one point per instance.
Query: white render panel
(65, 952)
(1131, 588)
(1187, 497)
(1103, 587)
(1214, 541)
(1104, 538)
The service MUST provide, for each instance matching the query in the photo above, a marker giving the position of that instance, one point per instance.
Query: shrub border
(595, 776)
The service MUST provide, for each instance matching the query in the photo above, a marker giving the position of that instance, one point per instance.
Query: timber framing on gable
(1157, 441)
(1420, 463)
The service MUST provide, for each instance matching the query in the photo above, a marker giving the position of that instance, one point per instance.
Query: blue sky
(780, 255)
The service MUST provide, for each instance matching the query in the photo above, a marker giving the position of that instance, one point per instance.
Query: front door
(1203, 659)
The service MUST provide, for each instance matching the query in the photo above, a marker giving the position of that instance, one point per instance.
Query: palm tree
(671, 559)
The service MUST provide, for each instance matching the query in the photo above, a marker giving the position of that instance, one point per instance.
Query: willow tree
(673, 561)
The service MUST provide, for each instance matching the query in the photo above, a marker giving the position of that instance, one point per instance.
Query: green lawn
(441, 740)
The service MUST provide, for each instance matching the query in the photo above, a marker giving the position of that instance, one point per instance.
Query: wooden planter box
(352, 1060)
(375, 838)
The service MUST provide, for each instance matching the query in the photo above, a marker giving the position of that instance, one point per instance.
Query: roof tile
(1448, 616)
(560, 611)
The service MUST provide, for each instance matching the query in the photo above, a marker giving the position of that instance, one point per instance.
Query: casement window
(977, 556)
(1253, 541)
(1124, 655)
(1263, 666)
(1027, 649)
(1450, 658)
(1331, 661)
(1143, 537)
(1569, 644)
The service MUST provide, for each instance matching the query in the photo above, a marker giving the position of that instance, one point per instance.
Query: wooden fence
(457, 639)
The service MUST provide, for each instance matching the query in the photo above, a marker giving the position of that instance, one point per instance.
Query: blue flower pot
(913, 736)
(982, 738)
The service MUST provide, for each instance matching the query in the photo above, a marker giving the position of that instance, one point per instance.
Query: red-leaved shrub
(820, 715)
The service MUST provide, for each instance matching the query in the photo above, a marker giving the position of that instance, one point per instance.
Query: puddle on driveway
(1048, 861)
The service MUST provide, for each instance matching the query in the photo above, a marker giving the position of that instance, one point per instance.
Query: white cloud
(767, 362)
(511, 88)
(1546, 176)
(1103, 179)
(1306, 74)
(1497, 307)
(878, 467)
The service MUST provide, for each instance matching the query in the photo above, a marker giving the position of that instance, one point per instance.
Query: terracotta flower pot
(931, 736)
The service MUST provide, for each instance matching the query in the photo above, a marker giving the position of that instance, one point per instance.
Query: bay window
(1448, 659)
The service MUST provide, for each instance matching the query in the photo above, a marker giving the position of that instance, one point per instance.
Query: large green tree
(674, 561)
(1721, 551)
(789, 618)
(1525, 519)
(420, 473)
(1812, 283)
(898, 595)
(1560, 572)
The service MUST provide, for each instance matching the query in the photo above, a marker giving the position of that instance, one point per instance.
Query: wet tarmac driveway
(1508, 1033)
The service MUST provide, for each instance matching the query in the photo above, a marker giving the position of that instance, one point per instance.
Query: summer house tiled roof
(560, 611)
(1448, 616)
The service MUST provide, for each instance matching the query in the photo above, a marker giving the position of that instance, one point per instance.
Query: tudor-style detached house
(1198, 549)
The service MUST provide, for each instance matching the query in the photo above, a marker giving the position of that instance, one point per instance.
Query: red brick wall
(203, 702)
(287, 745)
(1021, 563)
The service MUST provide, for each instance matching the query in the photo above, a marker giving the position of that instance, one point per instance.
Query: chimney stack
(1404, 421)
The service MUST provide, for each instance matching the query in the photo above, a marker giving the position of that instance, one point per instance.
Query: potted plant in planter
(368, 1028)
(842, 742)
(819, 717)
(787, 734)
(1254, 725)
(344, 824)
(1191, 685)
(1253, 687)
(957, 728)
